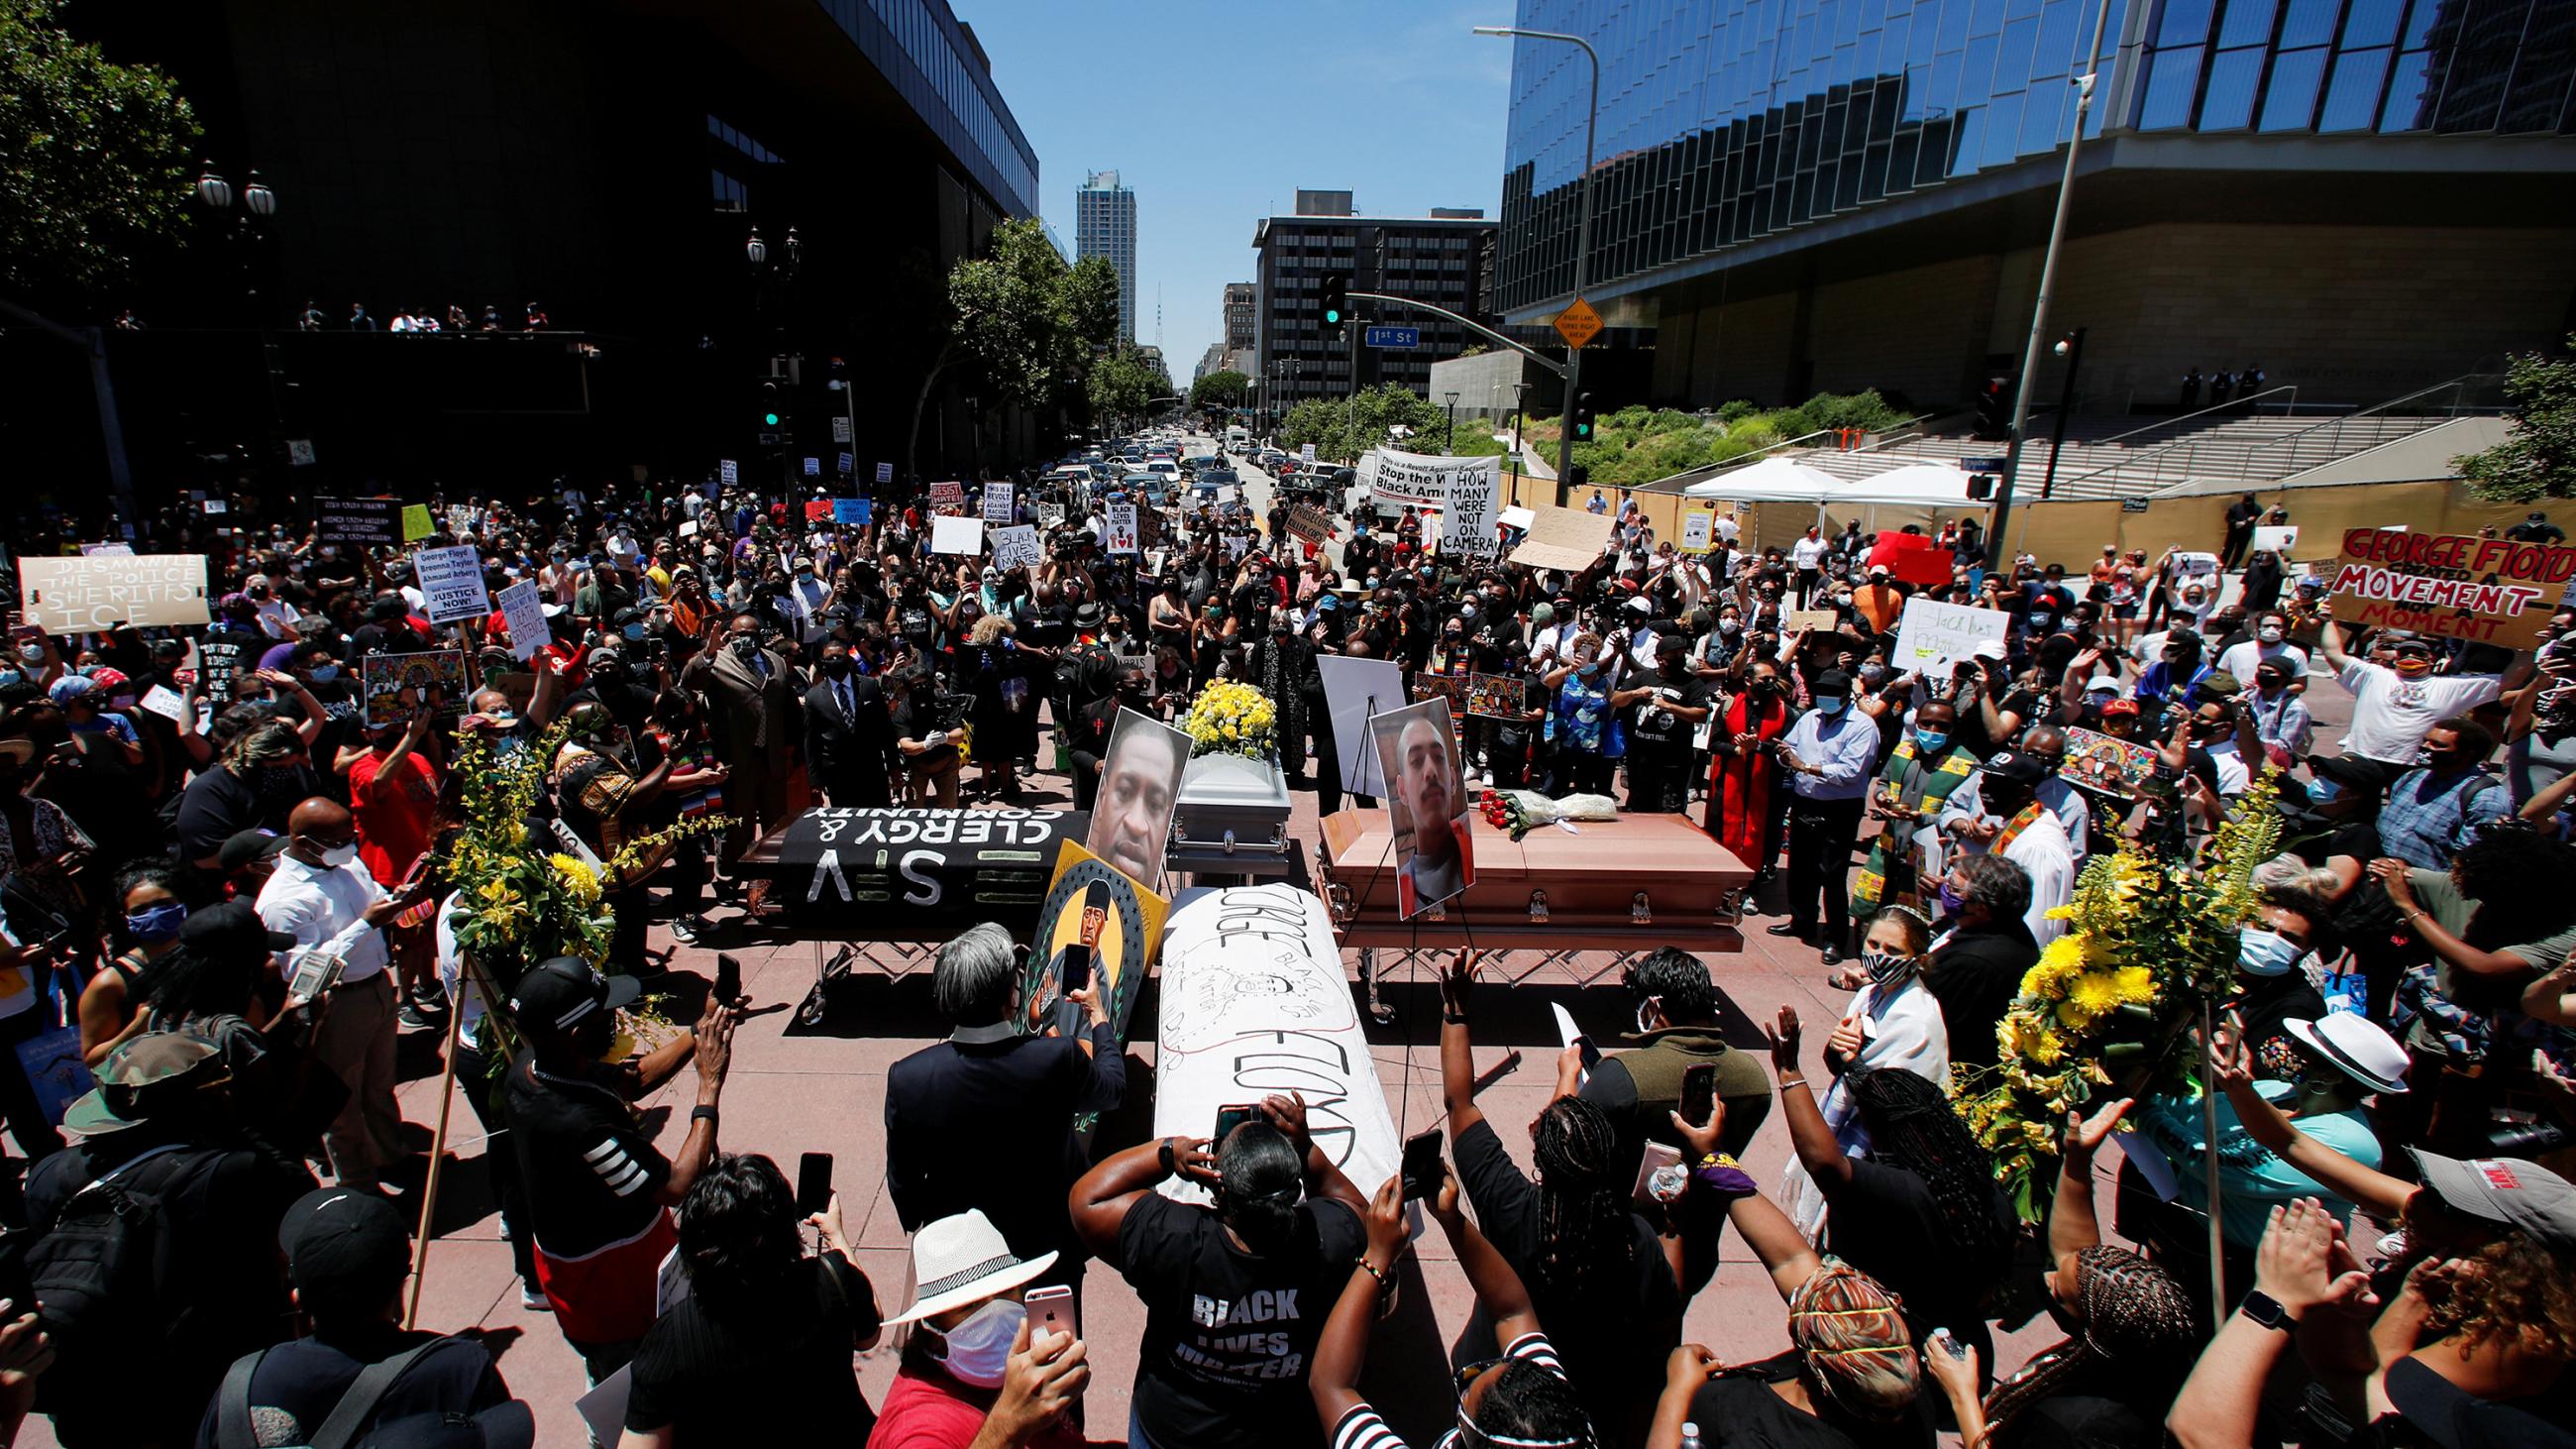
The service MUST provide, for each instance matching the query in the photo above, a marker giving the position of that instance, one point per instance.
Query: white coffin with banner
(1253, 1003)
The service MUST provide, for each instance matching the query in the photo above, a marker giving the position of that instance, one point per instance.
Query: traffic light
(1981, 486)
(1577, 477)
(772, 414)
(1337, 302)
(1994, 409)
(1583, 417)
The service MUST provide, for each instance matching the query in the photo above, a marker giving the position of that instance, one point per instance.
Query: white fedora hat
(2359, 1048)
(959, 1260)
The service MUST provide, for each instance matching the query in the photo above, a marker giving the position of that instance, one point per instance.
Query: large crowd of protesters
(211, 1244)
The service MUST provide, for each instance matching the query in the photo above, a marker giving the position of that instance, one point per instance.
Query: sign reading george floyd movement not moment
(2488, 590)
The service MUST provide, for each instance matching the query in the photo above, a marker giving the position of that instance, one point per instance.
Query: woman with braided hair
(1894, 1024)
(1605, 1283)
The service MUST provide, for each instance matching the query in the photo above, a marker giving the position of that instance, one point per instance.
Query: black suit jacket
(849, 757)
(1975, 975)
(989, 1125)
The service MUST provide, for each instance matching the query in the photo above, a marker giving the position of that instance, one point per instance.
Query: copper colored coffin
(1629, 884)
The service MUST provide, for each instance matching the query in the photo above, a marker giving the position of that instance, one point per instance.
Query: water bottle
(1690, 1436)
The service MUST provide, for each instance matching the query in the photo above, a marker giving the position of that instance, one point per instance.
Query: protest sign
(1497, 696)
(726, 473)
(819, 510)
(1451, 687)
(398, 686)
(363, 521)
(1697, 526)
(416, 522)
(460, 519)
(1051, 515)
(110, 550)
(523, 609)
(2098, 761)
(997, 502)
(1475, 493)
(1820, 621)
(1911, 559)
(1396, 479)
(1121, 539)
(2487, 590)
(813, 467)
(1017, 547)
(852, 511)
(452, 580)
(1563, 538)
(847, 462)
(841, 434)
(1934, 636)
(1305, 452)
(2276, 538)
(219, 668)
(885, 472)
(2191, 568)
(1309, 523)
(947, 495)
(299, 452)
(957, 535)
(101, 591)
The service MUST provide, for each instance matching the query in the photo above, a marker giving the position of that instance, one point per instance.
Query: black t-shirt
(1742, 1409)
(594, 1178)
(1886, 1223)
(1230, 1336)
(1657, 727)
(772, 1370)
(1613, 1336)
(304, 1380)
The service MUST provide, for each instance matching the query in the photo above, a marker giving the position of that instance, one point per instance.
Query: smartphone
(1591, 1053)
(1050, 1309)
(316, 971)
(729, 983)
(1699, 1093)
(1076, 975)
(813, 1183)
(1422, 1174)
(419, 868)
(1657, 1155)
(1229, 1118)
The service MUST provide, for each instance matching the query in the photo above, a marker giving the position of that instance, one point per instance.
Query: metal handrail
(2231, 405)
(2146, 472)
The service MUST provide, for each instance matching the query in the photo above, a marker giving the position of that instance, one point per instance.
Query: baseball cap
(2220, 685)
(2351, 771)
(2122, 705)
(231, 929)
(1878, 571)
(344, 1246)
(2102, 684)
(106, 678)
(71, 687)
(245, 846)
(2016, 766)
(558, 992)
(1988, 649)
(2507, 1191)
(146, 1077)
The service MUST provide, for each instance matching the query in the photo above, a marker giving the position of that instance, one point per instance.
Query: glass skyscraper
(1104, 225)
(1724, 122)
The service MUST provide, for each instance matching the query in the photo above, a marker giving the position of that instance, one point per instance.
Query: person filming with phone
(992, 1361)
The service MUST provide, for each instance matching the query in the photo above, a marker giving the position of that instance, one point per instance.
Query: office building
(1104, 225)
(1242, 316)
(608, 163)
(2364, 196)
(1440, 259)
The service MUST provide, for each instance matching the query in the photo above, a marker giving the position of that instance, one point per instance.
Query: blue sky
(1214, 112)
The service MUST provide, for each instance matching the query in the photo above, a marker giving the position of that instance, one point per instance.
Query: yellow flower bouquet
(2149, 941)
(1231, 718)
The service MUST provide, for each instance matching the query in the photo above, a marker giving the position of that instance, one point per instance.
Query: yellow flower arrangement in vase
(1231, 718)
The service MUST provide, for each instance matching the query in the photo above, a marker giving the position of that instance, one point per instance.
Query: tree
(1344, 428)
(1125, 383)
(1225, 389)
(97, 158)
(1025, 319)
(2538, 458)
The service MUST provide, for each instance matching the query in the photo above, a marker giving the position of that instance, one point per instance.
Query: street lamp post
(2086, 85)
(1449, 433)
(1519, 389)
(1582, 237)
(249, 227)
(2070, 347)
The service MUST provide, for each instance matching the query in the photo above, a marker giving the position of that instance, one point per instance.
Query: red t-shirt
(394, 815)
(936, 1413)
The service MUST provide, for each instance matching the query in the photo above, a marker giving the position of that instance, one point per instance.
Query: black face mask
(836, 665)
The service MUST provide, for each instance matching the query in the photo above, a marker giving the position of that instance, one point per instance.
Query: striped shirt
(1361, 1428)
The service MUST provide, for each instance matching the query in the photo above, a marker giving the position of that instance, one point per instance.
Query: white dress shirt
(327, 908)
(2043, 852)
(1842, 748)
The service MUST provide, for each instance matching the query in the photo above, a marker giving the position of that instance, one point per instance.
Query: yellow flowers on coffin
(1232, 718)
(2133, 985)
(2062, 960)
(577, 874)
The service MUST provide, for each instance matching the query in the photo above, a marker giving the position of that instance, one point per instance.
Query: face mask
(1931, 742)
(1646, 1015)
(2269, 634)
(158, 924)
(1883, 968)
(10, 676)
(746, 649)
(339, 855)
(2322, 791)
(32, 653)
(1843, 596)
(979, 1349)
(836, 665)
(1872, 673)
(804, 576)
(1587, 670)
(1730, 627)
(1951, 900)
(2266, 953)
(1831, 705)
(325, 673)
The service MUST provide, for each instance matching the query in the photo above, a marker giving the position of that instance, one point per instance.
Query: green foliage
(1125, 383)
(1225, 389)
(1636, 445)
(1027, 318)
(96, 158)
(2538, 458)
(1343, 428)
(1736, 411)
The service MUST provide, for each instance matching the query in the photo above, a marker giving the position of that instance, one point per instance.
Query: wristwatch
(2265, 1311)
(1163, 1154)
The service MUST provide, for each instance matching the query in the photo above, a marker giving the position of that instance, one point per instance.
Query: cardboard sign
(2098, 761)
(416, 522)
(997, 502)
(452, 580)
(852, 511)
(957, 535)
(1475, 496)
(947, 495)
(885, 472)
(1934, 636)
(1309, 523)
(365, 521)
(1098, 922)
(1697, 526)
(2193, 568)
(100, 591)
(1567, 539)
(1497, 696)
(2277, 538)
(1017, 547)
(1051, 515)
(397, 686)
(1820, 621)
(2487, 590)
(1121, 535)
(523, 609)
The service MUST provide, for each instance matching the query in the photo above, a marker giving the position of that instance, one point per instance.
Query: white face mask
(339, 855)
(979, 1349)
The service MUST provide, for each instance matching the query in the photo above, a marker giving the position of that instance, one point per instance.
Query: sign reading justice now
(2489, 590)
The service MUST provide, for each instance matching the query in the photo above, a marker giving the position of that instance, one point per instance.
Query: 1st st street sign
(1393, 337)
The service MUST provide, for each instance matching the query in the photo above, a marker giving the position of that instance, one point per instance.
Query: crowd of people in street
(211, 1243)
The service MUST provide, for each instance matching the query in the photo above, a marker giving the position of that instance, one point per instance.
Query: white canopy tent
(1919, 492)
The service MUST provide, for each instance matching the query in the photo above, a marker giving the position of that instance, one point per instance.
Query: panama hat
(961, 1260)
(2358, 1048)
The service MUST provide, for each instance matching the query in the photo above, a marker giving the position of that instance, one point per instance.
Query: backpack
(235, 1430)
(99, 1271)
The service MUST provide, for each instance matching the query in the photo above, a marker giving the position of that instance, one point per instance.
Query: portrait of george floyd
(1426, 804)
(1140, 788)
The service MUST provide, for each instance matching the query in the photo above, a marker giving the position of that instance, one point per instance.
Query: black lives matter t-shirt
(1229, 1335)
